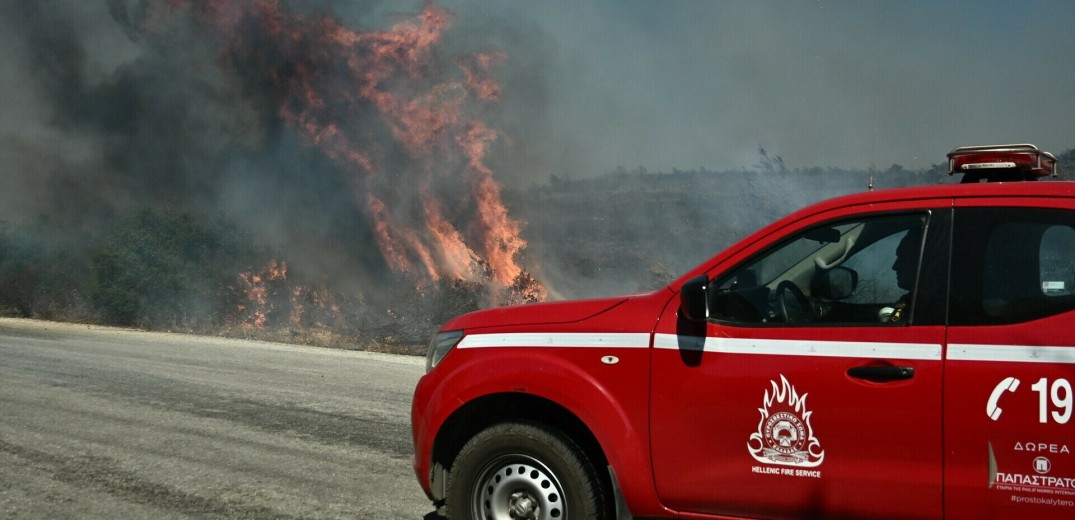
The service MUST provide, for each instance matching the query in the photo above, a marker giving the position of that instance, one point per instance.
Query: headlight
(439, 347)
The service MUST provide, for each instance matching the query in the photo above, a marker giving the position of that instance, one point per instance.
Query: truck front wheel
(523, 471)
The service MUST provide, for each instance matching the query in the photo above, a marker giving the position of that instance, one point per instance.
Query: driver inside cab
(905, 267)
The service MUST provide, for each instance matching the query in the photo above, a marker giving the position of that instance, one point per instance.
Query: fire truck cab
(903, 353)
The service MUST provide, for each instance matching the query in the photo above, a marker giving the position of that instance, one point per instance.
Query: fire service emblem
(784, 433)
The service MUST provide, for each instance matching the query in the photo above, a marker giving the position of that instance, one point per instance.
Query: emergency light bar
(1006, 162)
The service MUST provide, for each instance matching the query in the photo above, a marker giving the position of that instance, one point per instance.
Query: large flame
(381, 106)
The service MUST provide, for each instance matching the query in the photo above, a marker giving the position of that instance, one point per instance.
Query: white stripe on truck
(566, 339)
(810, 348)
(1011, 353)
(776, 347)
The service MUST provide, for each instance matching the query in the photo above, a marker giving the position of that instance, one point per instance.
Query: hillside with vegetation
(621, 232)
(629, 231)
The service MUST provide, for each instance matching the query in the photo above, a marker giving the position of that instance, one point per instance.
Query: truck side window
(1012, 265)
(851, 272)
(1057, 257)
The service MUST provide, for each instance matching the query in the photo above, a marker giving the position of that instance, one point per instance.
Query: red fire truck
(904, 353)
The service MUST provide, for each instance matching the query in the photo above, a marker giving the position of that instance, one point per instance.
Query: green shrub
(43, 272)
(163, 269)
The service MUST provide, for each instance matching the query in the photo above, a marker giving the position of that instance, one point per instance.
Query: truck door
(813, 389)
(1010, 365)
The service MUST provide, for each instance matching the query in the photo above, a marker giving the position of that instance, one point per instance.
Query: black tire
(536, 470)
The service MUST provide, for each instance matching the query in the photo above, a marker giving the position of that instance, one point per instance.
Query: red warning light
(1007, 162)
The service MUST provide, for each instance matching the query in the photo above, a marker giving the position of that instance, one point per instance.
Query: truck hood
(534, 314)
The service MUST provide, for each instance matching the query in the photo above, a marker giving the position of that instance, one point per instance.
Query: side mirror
(834, 284)
(693, 303)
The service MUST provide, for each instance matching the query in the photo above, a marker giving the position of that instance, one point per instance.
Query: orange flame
(395, 241)
(500, 234)
(268, 296)
(256, 288)
(458, 259)
(476, 72)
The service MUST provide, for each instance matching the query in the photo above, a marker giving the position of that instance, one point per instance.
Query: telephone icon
(992, 407)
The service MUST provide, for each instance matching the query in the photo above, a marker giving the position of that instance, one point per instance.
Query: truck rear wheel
(522, 471)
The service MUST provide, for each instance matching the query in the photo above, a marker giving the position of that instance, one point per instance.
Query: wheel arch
(489, 410)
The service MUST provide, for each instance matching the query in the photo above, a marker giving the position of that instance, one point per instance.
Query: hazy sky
(821, 83)
(663, 84)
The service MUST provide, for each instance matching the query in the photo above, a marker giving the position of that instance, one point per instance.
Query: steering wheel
(798, 309)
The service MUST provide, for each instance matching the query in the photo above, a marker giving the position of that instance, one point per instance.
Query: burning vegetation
(351, 164)
(345, 92)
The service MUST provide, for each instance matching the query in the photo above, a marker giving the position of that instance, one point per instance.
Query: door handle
(881, 374)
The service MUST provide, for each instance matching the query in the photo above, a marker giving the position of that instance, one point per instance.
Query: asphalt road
(107, 423)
